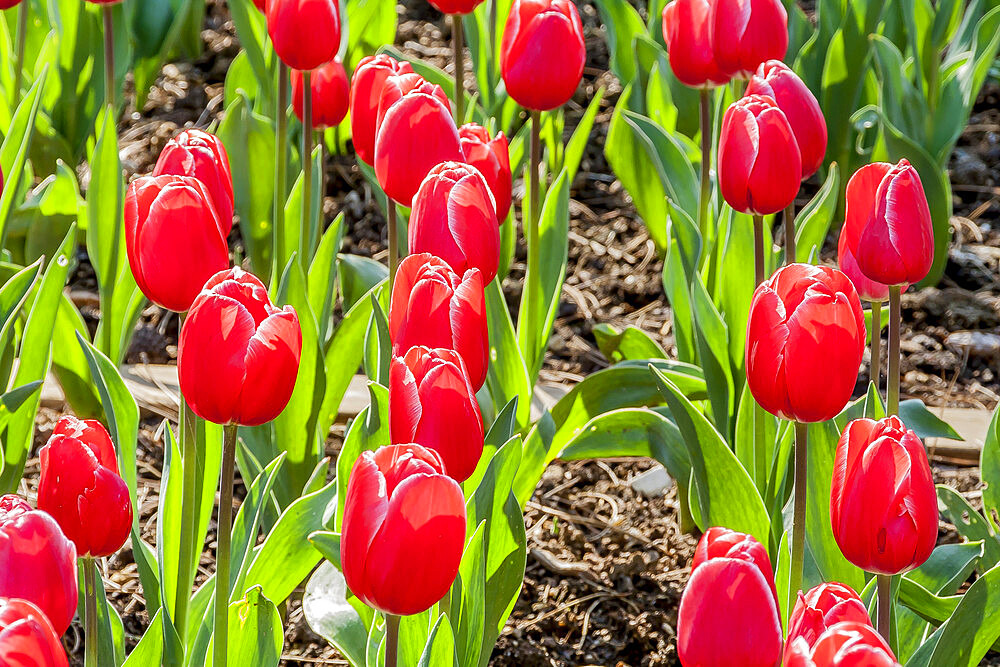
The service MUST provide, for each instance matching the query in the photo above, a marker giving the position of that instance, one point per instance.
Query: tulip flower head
(746, 33)
(453, 218)
(27, 638)
(868, 289)
(366, 93)
(7, 4)
(883, 505)
(39, 561)
(330, 94)
(542, 53)
(201, 155)
(492, 158)
(805, 340)
(305, 33)
(687, 34)
(403, 531)
(81, 488)
(261, 5)
(847, 644)
(238, 355)
(455, 6)
(822, 607)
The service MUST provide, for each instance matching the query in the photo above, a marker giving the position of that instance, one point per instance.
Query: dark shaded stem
(457, 40)
(758, 249)
(706, 160)
(391, 639)
(875, 336)
(222, 554)
(884, 623)
(799, 513)
(22, 38)
(320, 140)
(390, 206)
(305, 241)
(790, 233)
(280, 170)
(759, 449)
(893, 378)
(189, 503)
(90, 610)
(531, 225)
(109, 56)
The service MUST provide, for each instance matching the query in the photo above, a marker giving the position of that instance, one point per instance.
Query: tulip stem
(391, 639)
(876, 342)
(188, 551)
(390, 219)
(22, 36)
(531, 226)
(320, 140)
(799, 514)
(706, 161)
(90, 611)
(305, 242)
(759, 449)
(790, 233)
(894, 322)
(884, 623)
(109, 56)
(457, 39)
(222, 554)
(758, 249)
(280, 170)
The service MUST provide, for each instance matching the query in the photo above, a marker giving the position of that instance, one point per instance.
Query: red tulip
(868, 289)
(729, 612)
(887, 210)
(883, 505)
(81, 487)
(433, 306)
(404, 529)
(201, 155)
(846, 644)
(492, 158)
(805, 339)
(777, 81)
(104, 2)
(746, 33)
(432, 402)
(542, 53)
(821, 607)
(174, 238)
(455, 6)
(687, 33)
(305, 33)
(759, 164)
(453, 218)
(238, 355)
(7, 4)
(260, 4)
(366, 93)
(330, 94)
(39, 561)
(27, 638)
(398, 85)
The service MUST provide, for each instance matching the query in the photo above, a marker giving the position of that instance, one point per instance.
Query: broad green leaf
(440, 648)
(972, 629)
(149, 650)
(631, 343)
(255, 632)
(925, 423)
(321, 280)
(247, 525)
(622, 24)
(507, 376)
(990, 471)
(812, 224)
(368, 432)
(358, 276)
(14, 151)
(970, 524)
(712, 338)
(331, 616)
(578, 142)
(467, 597)
(670, 161)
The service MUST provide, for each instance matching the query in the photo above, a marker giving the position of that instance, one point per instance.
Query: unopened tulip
(542, 53)
(27, 638)
(492, 158)
(238, 355)
(868, 289)
(805, 340)
(260, 5)
(403, 531)
(847, 644)
(174, 238)
(435, 307)
(453, 218)
(398, 85)
(760, 167)
(366, 93)
(746, 33)
(305, 33)
(432, 402)
(81, 488)
(820, 608)
(777, 81)
(883, 505)
(729, 612)
(39, 562)
(7, 4)
(687, 34)
(455, 6)
(201, 155)
(330, 94)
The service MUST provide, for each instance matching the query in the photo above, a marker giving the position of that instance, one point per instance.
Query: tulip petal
(767, 334)
(469, 327)
(737, 155)
(405, 409)
(454, 427)
(272, 364)
(777, 171)
(860, 200)
(472, 223)
(365, 509)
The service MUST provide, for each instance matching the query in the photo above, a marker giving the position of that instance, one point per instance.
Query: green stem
(22, 37)
(189, 552)
(393, 225)
(884, 623)
(109, 56)
(531, 227)
(305, 241)
(492, 50)
(759, 447)
(799, 513)
(391, 639)
(90, 611)
(758, 249)
(790, 234)
(320, 140)
(706, 161)
(875, 336)
(457, 38)
(222, 554)
(280, 170)
(894, 322)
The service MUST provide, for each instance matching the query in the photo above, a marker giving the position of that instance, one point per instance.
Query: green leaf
(969, 633)
(105, 225)
(251, 28)
(670, 161)
(247, 525)
(925, 423)
(948, 567)
(812, 224)
(578, 142)
(970, 524)
(467, 600)
(712, 337)
(990, 471)
(255, 633)
(358, 275)
(331, 616)
(507, 375)
(622, 24)
(440, 648)
(366, 433)
(14, 151)
(631, 343)
(321, 280)
(149, 650)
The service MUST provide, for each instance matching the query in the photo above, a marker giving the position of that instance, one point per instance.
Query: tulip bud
(868, 289)
(820, 608)
(434, 307)
(542, 53)
(403, 531)
(760, 168)
(746, 33)
(81, 488)
(202, 156)
(775, 80)
(366, 93)
(687, 34)
(238, 355)
(398, 85)
(39, 562)
(805, 340)
(846, 644)
(27, 638)
(174, 238)
(883, 505)
(453, 218)
(330, 94)
(7, 4)
(305, 33)
(887, 206)
(729, 612)
(455, 6)
(432, 402)
(260, 5)
(492, 158)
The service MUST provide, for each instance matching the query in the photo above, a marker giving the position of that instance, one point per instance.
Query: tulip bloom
(687, 34)
(238, 355)
(7, 4)
(847, 644)
(492, 158)
(366, 93)
(27, 638)
(777, 81)
(305, 33)
(201, 155)
(746, 33)
(404, 529)
(760, 168)
(330, 94)
(805, 340)
(451, 424)
(174, 238)
(820, 608)
(729, 611)
(455, 6)
(453, 218)
(542, 53)
(883, 505)
(81, 488)
(868, 289)
(433, 306)
(39, 561)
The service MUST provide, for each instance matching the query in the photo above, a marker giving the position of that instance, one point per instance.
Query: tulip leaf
(255, 632)
(466, 607)
(712, 337)
(622, 24)
(925, 423)
(782, 579)
(507, 376)
(413, 631)
(358, 275)
(170, 516)
(322, 277)
(13, 295)
(440, 648)
(377, 342)
(149, 650)
(503, 429)
(15, 148)
(111, 632)
(676, 286)
(330, 615)
(733, 290)
(368, 432)
(970, 524)
(990, 467)
(69, 363)
(247, 525)
(629, 344)
(578, 142)
(948, 567)
(812, 224)
(15, 398)
(251, 29)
